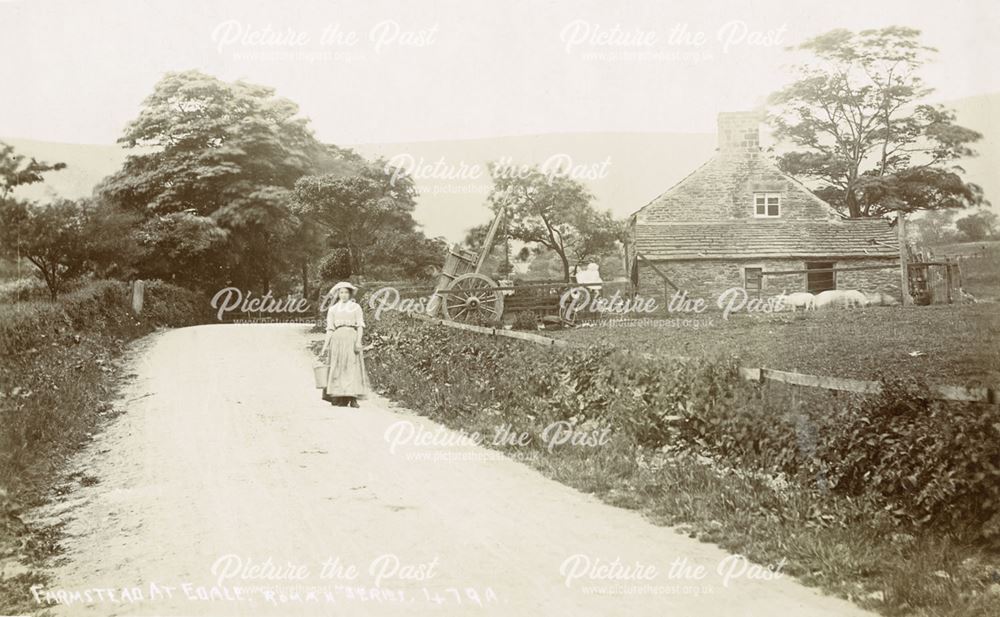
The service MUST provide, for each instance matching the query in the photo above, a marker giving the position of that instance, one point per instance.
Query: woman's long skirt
(347, 367)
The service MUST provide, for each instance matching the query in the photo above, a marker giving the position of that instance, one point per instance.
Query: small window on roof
(766, 205)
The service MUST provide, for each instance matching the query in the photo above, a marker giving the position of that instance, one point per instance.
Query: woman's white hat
(342, 285)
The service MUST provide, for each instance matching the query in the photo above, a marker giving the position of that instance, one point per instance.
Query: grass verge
(56, 383)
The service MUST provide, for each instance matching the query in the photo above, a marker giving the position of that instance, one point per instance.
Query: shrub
(170, 305)
(931, 462)
(925, 462)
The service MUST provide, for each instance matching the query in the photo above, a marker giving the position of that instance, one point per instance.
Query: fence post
(904, 281)
(138, 295)
(948, 280)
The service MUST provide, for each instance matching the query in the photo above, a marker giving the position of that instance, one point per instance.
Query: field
(941, 344)
(980, 266)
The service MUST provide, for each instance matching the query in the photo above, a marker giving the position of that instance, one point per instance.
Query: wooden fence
(840, 384)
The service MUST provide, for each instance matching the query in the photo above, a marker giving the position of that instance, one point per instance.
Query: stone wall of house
(886, 281)
(709, 278)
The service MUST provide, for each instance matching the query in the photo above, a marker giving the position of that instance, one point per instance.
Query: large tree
(369, 215)
(308, 242)
(863, 134)
(553, 212)
(220, 158)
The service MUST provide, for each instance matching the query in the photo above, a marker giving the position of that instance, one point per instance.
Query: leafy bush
(932, 462)
(925, 462)
(170, 305)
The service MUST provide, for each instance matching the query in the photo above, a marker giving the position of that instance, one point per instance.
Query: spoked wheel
(473, 298)
(568, 315)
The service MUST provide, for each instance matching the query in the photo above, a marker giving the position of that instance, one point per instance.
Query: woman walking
(347, 380)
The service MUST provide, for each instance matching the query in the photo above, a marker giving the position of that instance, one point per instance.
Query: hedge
(927, 462)
(56, 361)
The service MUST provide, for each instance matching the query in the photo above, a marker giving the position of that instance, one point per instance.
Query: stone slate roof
(722, 190)
(766, 238)
(710, 214)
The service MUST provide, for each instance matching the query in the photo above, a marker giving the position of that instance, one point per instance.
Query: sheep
(855, 298)
(800, 299)
(825, 299)
(840, 298)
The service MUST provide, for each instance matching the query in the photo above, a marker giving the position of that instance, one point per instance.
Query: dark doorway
(820, 281)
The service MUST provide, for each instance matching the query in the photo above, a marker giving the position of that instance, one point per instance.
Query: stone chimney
(739, 133)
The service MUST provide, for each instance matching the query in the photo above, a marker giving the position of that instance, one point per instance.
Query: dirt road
(228, 487)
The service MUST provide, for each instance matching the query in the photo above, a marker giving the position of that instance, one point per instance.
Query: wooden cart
(464, 294)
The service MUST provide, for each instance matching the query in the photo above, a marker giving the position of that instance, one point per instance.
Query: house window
(753, 281)
(766, 205)
(820, 281)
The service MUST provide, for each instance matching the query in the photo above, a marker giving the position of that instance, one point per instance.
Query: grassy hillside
(638, 168)
(86, 166)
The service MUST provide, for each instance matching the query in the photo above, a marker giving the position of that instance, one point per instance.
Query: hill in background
(623, 170)
(86, 166)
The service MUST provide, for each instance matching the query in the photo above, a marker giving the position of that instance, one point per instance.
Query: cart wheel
(566, 314)
(473, 298)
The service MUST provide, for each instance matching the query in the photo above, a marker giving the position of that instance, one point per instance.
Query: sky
(400, 71)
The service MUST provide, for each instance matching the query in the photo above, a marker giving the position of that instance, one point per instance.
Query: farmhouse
(738, 217)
